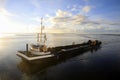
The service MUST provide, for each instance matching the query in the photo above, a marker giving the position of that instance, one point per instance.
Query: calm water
(102, 64)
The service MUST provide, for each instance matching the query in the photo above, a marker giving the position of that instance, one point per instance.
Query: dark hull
(69, 51)
(60, 52)
(31, 67)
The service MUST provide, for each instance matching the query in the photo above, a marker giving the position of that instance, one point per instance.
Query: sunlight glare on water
(12, 67)
(3, 35)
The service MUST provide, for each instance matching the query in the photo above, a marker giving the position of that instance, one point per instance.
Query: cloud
(65, 17)
(37, 19)
(68, 6)
(101, 22)
(86, 9)
(81, 9)
(9, 23)
(64, 21)
(2, 3)
(3, 11)
(78, 19)
(74, 9)
(47, 15)
(61, 13)
(99, 26)
(78, 23)
(35, 3)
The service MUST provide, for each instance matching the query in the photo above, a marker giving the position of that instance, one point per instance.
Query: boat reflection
(32, 67)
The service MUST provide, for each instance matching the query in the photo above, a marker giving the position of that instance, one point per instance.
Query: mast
(41, 31)
(37, 38)
(39, 35)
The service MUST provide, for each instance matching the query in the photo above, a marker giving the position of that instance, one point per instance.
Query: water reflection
(13, 68)
(34, 67)
(95, 49)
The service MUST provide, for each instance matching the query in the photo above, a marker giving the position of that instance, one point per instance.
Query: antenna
(41, 30)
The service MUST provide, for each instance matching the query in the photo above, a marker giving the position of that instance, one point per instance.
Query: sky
(60, 16)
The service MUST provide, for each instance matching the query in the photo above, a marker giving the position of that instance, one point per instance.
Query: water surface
(101, 64)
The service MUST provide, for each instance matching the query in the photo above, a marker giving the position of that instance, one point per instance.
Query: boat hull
(58, 52)
(34, 66)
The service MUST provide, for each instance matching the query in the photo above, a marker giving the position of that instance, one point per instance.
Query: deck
(34, 57)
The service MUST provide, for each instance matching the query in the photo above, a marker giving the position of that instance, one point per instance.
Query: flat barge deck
(60, 51)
